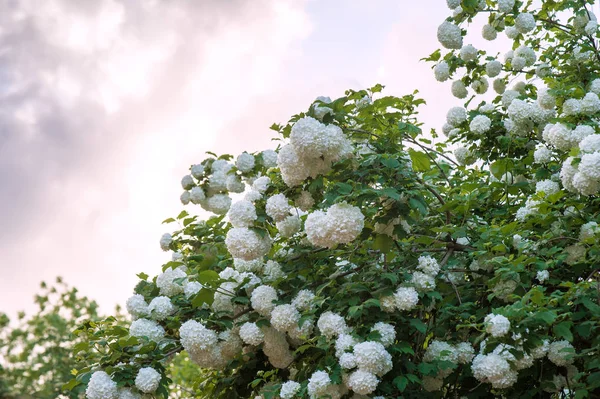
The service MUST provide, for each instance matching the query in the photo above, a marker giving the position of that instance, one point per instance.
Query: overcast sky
(104, 104)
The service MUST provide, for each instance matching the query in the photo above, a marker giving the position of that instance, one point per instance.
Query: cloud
(103, 105)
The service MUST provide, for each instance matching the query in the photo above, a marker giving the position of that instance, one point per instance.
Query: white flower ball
(542, 70)
(456, 116)
(542, 275)
(480, 124)
(493, 68)
(272, 271)
(218, 204)
(305, 201)
(561, 353)
(496, 325)
(518, 63)
(192, 288)
(261, 184)
(304, 300)
(278, 207)
(542, 154)
(468, 53)
(347, 361)
(318, 383)
(527, 54)
(101, 386)
(242, 213)
(165, 241)
(269, 158)
(525, 22)
(136, 306)
(147, 328)
(590, 104)
(505, 6)
(187, 182)
(452, 4)
(459, 90)
(480, 85)
(331, 324)
(126, 393)
(362, 382)
(547, 186)
(590, 144)
(406, 298)
(572, 106)
(235, 184)
(463, 155)
(590, 166)
(595, 86)
(197, 171)
(442, 71)
(372, 357)
(284, 317)
(247, 244)
(423, 282)
(161, 307)
(488, 32)
(387, 333)
(166, 284)
(262, 299)
(449, 35)
(341, 224)
(197, 195)
(289, 226)
(185, 197)
(245, 162)
(499, 85)
(147, 380)
(511, 32)
(251, 334)
(289, 389)
(196, 337)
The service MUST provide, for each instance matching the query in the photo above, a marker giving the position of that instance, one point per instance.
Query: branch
(438, 196)
(432, 150)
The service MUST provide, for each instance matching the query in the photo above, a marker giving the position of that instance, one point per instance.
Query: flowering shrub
(361, 258)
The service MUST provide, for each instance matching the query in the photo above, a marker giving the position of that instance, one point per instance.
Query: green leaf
(420, 160)
(401, 382)
(206, 277)
(383, 243)
(204, 296)
(547, 316)
(418, 325)
(182, 214)
(142, 276)
(169, 220)
(564, 330)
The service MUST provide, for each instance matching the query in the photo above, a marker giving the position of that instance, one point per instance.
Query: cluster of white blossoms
(289, 389)
(437, 350)
(147, 328)
(101, 386)
(312, 149)
(340, 224)
(496, 325)
(247, 244)
(168, 282)
(147, 380)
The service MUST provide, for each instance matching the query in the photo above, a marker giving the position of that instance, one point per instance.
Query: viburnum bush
(362, 258)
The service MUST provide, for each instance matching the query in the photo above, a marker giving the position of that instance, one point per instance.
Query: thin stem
(439, 198)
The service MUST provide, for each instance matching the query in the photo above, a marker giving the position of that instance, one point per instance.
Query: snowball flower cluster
(161, 307)
(136, 306)
(278, 207)
(340, 224)
(313, 148)
(331, 324)
(372, 357)
(165, 241)
(525, 22)
(247, 244)
(289, 389)
(494, 369)
(146, 328)
(147, 380)
(242, 213)
(561, 353)
(496, 325)
(362, 382)
(318, 383)
(166, 282)
(251, 334)
(245, 162)
(406, 298)
(196, 337)
(449, 35)
(262, 299)
(101, 386)
(284, 317)
(456, 116)
(442, 71)
(386, 331)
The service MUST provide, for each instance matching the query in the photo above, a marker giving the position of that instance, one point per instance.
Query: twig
(439, 198)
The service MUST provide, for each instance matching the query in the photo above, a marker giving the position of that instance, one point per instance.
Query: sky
(104, 105)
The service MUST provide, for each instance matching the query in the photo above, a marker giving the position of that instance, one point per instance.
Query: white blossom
(456, 116)
(289, 389)
(196, 337)
(468, 53)
(262, 299)
(525, 22)
(542, 275)
(331, 324)
(247, 244)
(561, 353)
(372, 357)
(161, 307)
(406, 298)
(251, 334)
(341, 224)
(496, 325)
(101, 386)
(488, 32)
(459, 90)
(165, 241)
(278, 207)
(147, 328)
(137, 307)
(387, 333)
(284, 317)
(449, 35)
(362, 382)
(245, 162)
(442, 71)
(147, 380)
(480, 124)
(242, 213)
(493, 68)
(166, 282)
